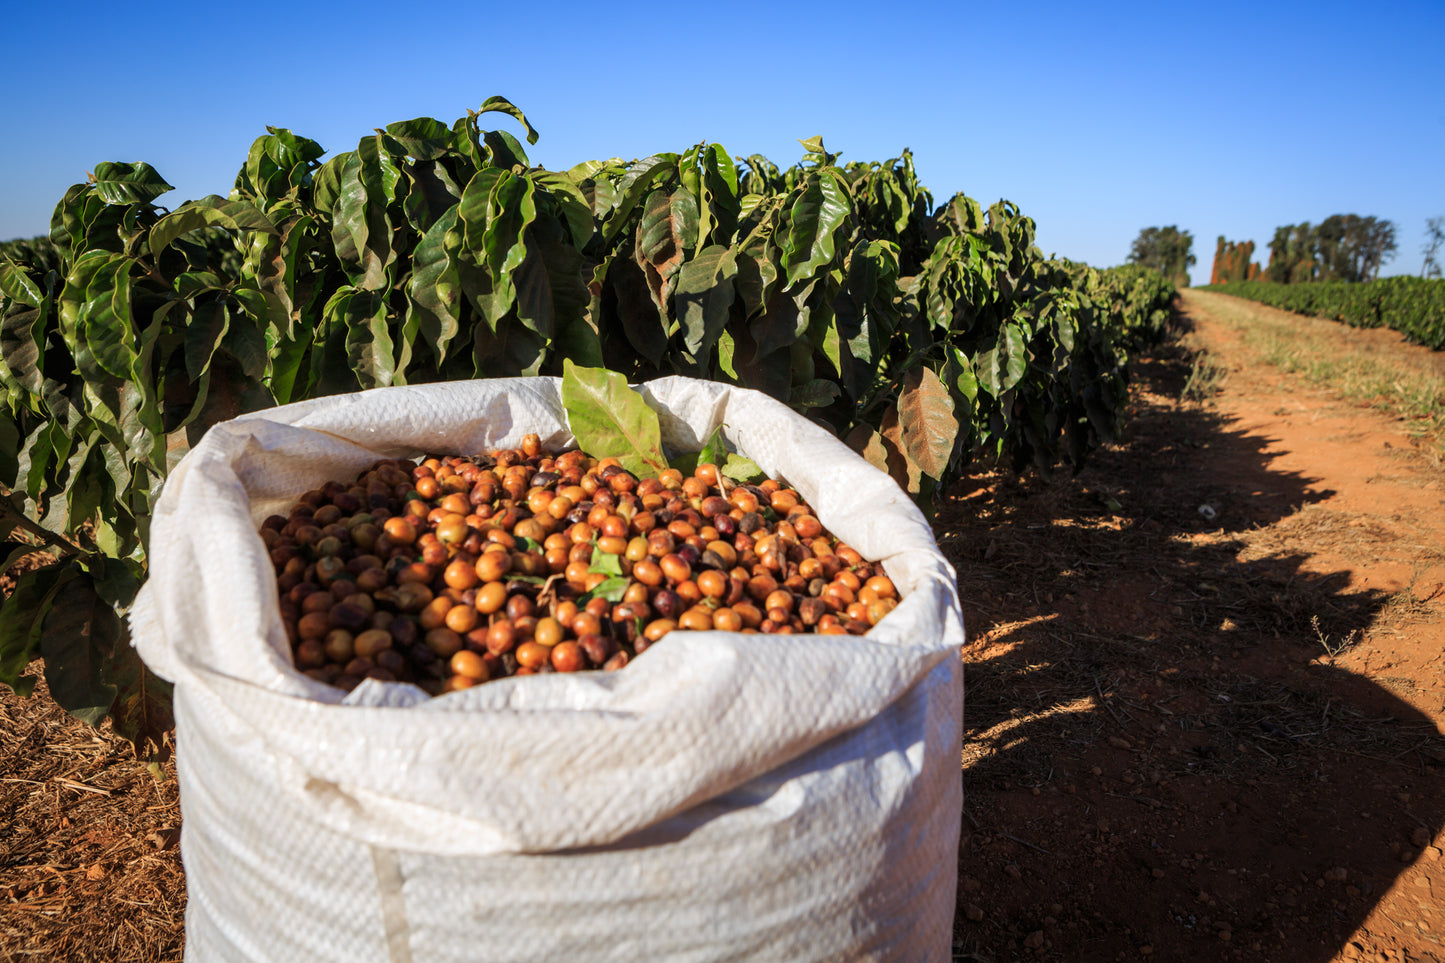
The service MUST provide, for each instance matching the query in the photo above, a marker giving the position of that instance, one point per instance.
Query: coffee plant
(927, 336)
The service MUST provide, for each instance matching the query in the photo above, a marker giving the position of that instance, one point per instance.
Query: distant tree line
(1232, 262)
(1342, 247)
(1166, 249)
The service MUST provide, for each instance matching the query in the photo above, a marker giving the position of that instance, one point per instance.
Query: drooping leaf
(925, 415)
(505, 106)
(512, 207)
(904, 469)
(551, 296)
(1014, 356)
(78, 639)
(570, 202)
(20, 350)
(814, 220)
(370, 350)
(207, 326)
(642, 324)
(22, 616)
(434, 289)
(704, 299)
(666, 232)
(631, 189)
(106, 323)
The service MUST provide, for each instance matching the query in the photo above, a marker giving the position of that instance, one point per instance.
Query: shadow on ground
(1160, 756)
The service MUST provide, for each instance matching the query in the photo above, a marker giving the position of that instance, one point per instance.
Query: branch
(50, 539)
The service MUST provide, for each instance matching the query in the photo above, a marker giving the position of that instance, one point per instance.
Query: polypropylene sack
(725, 797)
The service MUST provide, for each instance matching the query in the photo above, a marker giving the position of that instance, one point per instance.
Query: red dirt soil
(1204, 703)
(1204, 697)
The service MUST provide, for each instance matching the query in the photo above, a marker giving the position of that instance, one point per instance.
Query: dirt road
(1204, 687)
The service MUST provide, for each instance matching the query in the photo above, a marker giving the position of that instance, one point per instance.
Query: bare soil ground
(1204, 688)
(1204, 702)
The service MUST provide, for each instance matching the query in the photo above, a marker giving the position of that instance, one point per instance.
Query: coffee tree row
(1413, 306)
(925, 336)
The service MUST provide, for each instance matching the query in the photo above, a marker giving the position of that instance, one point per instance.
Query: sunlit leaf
(119, 183)
(609, 419)
(928, 427)
(505, 106)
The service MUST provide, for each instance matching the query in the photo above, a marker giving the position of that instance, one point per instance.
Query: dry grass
(1404, 380)
(89, 864)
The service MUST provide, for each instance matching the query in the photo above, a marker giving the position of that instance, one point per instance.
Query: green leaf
(609, 419)
(642, 325)
(740, 468)
(963, 378)
(286, 359)
(512, 206)
(1015, 361)
(817, 215)
(79, 637)
(475, 208)
(22, 617)
(213, 211)
(505, 106)
(120, 183)
(704, 299)
(611, 589)
(245, 338)
(369, 345)
(572, 203)
(20, 348)
(550, 293)
(434, 289)
(16, 284)
(424, 138)
(509, 351)
(207, 326)
(712, 453)
(35, 457)
(106, 319)
(506, 152)
(326, 183)
(604, 563)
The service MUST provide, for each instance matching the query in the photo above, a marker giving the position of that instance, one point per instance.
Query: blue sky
(1218, 118)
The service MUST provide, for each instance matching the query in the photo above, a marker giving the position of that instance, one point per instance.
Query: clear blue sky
(1223, 118)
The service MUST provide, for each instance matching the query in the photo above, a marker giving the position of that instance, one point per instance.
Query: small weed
(1204, 380)
(1332, 647)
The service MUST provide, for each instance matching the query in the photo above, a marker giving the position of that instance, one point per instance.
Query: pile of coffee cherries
(452, 571)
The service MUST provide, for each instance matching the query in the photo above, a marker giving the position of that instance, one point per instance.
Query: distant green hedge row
(1413, 306)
